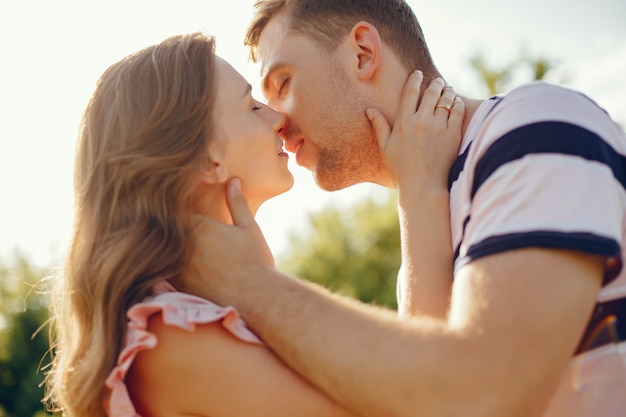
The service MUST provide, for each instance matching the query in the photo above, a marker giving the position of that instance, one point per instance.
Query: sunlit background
(54, 51)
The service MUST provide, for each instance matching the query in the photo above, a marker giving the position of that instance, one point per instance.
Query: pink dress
(178, 309)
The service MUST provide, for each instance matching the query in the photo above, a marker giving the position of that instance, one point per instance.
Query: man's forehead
(274, 43)
(288, 48)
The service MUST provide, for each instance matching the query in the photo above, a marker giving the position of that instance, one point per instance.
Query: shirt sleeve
(547, 172)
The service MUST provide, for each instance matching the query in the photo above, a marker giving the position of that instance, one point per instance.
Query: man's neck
(471, 105)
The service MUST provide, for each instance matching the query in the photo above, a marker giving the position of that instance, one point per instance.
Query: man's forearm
(364, 356)
(376, 364)
(300, 322)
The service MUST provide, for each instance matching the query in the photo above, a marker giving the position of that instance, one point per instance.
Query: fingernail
(236, 184)
(369, 114)
(417, 72)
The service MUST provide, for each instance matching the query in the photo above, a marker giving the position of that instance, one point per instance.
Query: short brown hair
(328, 21)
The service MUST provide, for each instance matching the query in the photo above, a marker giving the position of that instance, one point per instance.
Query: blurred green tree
(23, 339)
(355, 252)
(526, 67)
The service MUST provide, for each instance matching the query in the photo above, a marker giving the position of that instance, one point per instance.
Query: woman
(164, 131)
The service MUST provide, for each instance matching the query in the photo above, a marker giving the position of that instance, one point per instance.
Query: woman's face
(249, 131)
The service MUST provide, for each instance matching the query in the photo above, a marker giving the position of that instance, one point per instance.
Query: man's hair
(326, 22)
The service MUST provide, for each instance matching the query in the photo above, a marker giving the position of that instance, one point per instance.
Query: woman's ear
(366, 43)
(215, 172)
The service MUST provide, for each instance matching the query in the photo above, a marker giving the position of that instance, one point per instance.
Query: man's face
(324, 105)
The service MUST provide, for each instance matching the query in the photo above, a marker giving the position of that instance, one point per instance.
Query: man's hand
(225, 254)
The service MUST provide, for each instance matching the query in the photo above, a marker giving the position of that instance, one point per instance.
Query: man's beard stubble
(350, 153)
(355, 161)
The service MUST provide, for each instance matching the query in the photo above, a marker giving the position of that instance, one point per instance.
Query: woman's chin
(278, 191)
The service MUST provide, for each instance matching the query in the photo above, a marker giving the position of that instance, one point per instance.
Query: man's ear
(366, 42)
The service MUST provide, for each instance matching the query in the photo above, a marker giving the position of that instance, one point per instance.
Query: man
(537, 205)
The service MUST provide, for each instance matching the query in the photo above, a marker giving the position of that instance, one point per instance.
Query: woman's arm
(209, 372)
(419, 153)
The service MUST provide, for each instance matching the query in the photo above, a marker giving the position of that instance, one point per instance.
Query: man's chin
(329, 182)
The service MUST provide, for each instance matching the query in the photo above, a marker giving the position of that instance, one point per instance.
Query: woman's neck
(211, 203)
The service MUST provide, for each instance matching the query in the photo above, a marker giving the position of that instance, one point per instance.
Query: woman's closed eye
(256, 105)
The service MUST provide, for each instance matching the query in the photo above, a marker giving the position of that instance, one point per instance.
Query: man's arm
(514, 323)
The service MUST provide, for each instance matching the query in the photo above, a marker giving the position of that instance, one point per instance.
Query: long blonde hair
(143, 141)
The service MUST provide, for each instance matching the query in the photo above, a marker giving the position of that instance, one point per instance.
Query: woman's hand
(422, 145)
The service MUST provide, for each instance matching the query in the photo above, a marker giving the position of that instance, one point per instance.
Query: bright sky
(54, 51)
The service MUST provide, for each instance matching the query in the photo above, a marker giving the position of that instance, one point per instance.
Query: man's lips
(293, 146)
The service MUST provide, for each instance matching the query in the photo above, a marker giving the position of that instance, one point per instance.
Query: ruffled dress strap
(177, 309)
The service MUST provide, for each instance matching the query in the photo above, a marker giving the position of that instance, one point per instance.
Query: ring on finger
(447, 107)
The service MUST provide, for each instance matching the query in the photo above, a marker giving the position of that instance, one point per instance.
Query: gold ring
(442, 106)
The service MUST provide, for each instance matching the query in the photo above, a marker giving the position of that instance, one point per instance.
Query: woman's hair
(143, 141)
(327, 22)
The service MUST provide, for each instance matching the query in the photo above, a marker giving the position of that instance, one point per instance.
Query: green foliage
(492, 78)
(498, 80)
(355, 252)
(22, 342)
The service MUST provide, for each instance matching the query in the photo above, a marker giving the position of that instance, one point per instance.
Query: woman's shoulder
(205, 365)
(185, 311)
(171, 330)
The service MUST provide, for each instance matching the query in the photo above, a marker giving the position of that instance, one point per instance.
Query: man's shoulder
(541, 102)
(543, 88)
(541, 97)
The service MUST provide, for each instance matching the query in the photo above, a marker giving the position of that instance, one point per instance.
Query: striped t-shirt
(544, 166)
